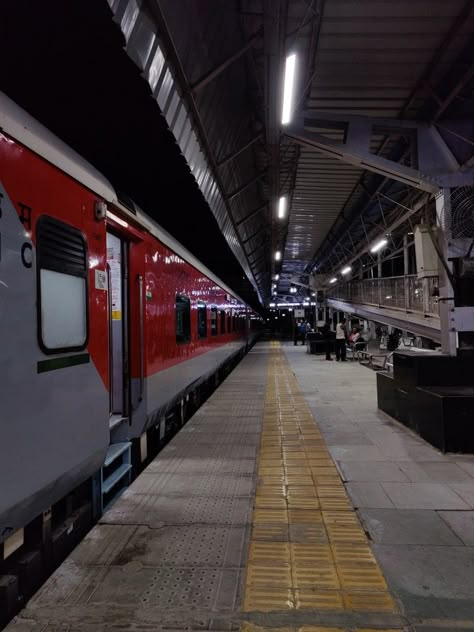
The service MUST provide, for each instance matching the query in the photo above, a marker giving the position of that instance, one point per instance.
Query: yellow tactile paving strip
(308, 549)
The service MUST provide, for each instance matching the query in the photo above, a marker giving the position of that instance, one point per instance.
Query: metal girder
(428, 327)
(246, 185)
(437, 166)
(215, 72)
(237, 152)
(255, 234)
(252, 214)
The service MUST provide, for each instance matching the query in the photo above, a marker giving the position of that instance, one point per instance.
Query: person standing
(341, 341)
(325, 330)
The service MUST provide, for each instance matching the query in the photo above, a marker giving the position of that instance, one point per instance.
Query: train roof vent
(61, 247)
(126, 201)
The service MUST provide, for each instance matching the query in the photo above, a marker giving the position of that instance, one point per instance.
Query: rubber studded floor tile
(363, 577)
(267, 599)
(299, 502)
(369, 602)
(271, 480)
(323, 576)
(308, 533)
(266, 575)
(291, 471)
(270, 532)
(335, 504)
(298, 516)
(340, 517)
(319, 600)
(271, 552)
(354, 554)
(270, 515)
(271, 489)
(345, 533)
(300, 490)
(331, 490)
(270, 471)
(270, 502)
(311, 554)
(293, 479)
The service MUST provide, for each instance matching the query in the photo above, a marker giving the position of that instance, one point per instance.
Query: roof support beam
(260, 230)
(437, 166)
(252, 214)
(246, 185)
(237, 152)
(215, 72)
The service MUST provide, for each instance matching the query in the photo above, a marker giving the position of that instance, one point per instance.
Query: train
(110, 332)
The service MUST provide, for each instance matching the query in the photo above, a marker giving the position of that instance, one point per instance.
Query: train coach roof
(20, 125)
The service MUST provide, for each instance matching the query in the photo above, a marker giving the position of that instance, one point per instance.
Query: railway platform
(287, 502)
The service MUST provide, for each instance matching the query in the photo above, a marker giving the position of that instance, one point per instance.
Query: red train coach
(108, 328)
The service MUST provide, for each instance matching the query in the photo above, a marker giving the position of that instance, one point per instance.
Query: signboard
(299, 313)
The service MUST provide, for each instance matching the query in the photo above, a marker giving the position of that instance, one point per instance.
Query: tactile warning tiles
(308, 550)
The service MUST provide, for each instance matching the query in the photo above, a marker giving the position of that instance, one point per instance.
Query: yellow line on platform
(308, 550)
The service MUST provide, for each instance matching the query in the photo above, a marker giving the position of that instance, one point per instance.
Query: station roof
(219, 157)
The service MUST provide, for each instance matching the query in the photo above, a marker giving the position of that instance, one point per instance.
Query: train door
(117, 269)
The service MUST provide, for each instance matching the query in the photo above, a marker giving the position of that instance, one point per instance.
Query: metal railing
(405, 293)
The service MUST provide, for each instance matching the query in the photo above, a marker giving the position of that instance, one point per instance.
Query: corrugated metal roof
(384, 58)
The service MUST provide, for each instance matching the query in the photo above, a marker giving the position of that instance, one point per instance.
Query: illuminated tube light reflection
(116, 219)
(288, 89)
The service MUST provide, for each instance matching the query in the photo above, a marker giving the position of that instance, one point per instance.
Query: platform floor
(243, 520)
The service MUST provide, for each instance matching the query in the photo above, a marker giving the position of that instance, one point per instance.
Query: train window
(222, 321)
(183, 318)
(234, 322)
(63, 323)
(202, 320)
(213, 321)
(229, 323)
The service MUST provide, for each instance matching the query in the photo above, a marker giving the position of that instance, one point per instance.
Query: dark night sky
(64, 63)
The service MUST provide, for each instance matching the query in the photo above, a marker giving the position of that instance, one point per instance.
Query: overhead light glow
(333, 280)
(379, 245)
(288, 89)
(277, 255)
(282, 207)
(292, 290)
(346, 270)
(277, 276)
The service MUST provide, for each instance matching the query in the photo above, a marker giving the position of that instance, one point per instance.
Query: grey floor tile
(408, 526)
(462, 523)
(467, 466)
(372, 471)
(368, 495)
(423, 496)
(356, 453)
(444, 472)
(433, 581)
(466, 491)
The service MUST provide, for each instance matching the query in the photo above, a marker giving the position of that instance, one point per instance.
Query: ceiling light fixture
(277, 276)
(282, 207)
(346, 270)
(277, 255)
(288, 89)
(379, 245)
(333, 280)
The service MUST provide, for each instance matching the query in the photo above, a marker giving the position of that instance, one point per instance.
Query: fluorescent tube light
(288, 89)
(379, 245)
(333, 280)
(346, 270)
(282, 207)
(277, 255)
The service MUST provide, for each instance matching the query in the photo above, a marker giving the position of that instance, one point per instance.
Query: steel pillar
(446, 290)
